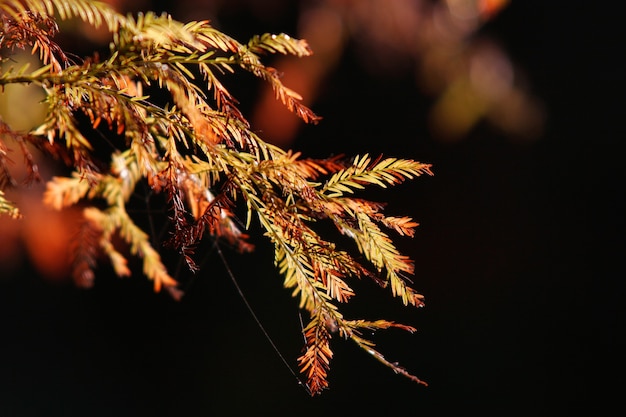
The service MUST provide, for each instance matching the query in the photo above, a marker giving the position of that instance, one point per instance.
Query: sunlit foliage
(200, 152)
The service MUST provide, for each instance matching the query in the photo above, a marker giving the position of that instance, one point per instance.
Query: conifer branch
(200, 153)
(390, 171)
(315, 362)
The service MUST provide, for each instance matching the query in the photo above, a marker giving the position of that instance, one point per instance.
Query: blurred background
(520, 250)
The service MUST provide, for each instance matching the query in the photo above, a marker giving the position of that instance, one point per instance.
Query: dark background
(519, 254)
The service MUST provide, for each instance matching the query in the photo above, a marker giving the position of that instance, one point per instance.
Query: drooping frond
(250, 61)
(315, 361)
(85, 250)
(196, 150)
(379, 249)
(116, 220)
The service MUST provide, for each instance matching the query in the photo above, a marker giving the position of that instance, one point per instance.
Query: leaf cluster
(200, 152)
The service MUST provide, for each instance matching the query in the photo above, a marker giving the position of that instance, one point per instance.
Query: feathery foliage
(200, 152)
